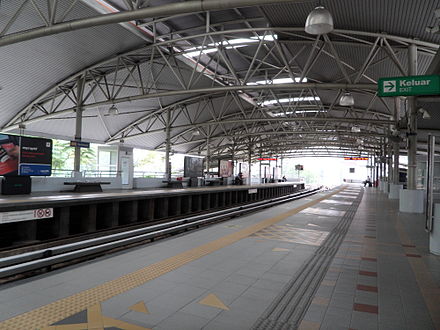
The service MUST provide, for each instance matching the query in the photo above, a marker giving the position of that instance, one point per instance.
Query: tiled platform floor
(377, 279)
(382, 277)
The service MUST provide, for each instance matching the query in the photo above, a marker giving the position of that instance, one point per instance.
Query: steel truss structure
(215, 88)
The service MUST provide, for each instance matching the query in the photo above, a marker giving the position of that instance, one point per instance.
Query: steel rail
(29, 261)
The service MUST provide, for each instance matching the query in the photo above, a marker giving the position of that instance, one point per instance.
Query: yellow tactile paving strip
(63, 308)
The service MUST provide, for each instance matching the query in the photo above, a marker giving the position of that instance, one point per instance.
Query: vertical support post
(390, 161)
(250, 164)
(208, 154)
(233, 159)
(381, 161)
(78, 122)
(281, 167)
(168, 147)
(259, 175)
(430, 184)
(412, 121)
(396, 145)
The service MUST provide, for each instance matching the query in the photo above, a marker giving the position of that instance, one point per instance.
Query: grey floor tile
(183, 321)
(364, 297)
(241, 279)
(251, 305)
(364, 321)
(315, 313)
(336, 318)
(237, 319)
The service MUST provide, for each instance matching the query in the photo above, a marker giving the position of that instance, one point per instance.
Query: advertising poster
(225, 168)
(193, 167)
(25, 156)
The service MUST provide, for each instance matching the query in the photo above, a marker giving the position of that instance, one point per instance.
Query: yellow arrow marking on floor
(280, 250)
(140, 307)
(213, 301)
(96, 321)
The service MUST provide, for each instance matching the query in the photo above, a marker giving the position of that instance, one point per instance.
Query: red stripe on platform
(367, 288)
(366, 308)
(369, 259)
(366, 273)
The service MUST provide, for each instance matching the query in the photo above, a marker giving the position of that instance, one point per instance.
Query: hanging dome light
(346, 100)
(319, 21)
(113, 110)
(355, 129)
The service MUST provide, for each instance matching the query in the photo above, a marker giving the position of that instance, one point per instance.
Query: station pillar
(250, 165)
(168, 147)
(412, 199)
(208, 155)
(78, 125)
(395, 185)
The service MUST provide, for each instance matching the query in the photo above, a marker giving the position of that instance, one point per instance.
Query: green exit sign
(409, 86)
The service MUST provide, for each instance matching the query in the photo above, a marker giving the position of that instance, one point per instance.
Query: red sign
(356, 158)
(267, 159)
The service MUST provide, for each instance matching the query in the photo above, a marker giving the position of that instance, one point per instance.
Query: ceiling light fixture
(319, 21)
(346, 100)
(113, 110)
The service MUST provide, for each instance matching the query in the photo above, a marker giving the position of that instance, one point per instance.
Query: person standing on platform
(239, 179)
(368, 181)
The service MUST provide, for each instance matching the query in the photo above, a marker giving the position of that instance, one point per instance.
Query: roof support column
(78, 123)
(412, 122)
(250, 164)
(390, 161)
(259, 175)
(381, 160)
(233, 158)
(168, 147)
(396, 145)
(208, 153)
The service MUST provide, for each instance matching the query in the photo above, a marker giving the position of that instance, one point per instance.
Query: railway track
(27, 263)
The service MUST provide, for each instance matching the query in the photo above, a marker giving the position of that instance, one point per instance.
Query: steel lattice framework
(215, 87)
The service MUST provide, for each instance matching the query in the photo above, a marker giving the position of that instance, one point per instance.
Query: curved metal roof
(236, 78)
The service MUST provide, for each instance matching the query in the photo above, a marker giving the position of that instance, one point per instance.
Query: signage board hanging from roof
(409, 86)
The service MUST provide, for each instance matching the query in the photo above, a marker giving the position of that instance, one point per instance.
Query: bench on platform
(174, 184)
(81, 187)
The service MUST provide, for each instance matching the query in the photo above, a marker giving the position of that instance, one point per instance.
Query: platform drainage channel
(288, 309)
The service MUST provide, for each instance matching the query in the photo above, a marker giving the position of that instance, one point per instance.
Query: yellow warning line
(63, 308)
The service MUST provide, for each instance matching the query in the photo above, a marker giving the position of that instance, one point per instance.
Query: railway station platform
(73, 214)
(340, 259)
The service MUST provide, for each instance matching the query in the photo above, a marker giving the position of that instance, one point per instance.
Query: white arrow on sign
(389, 86)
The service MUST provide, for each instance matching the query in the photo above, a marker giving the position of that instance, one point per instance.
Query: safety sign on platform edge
(16, 216)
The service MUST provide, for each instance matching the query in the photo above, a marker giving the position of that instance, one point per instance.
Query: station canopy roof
(235, 75)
